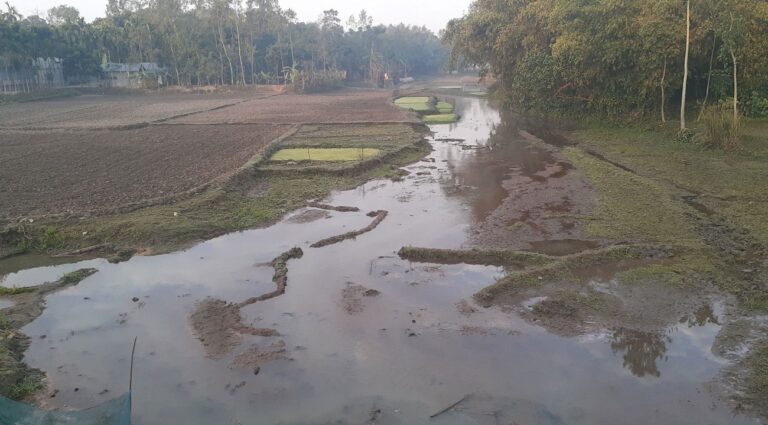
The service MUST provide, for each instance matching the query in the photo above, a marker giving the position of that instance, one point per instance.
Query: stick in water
(449, 407)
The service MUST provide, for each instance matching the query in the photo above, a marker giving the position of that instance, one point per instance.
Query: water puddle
(361, 335)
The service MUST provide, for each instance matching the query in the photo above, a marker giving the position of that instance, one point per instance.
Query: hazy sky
(432, 13)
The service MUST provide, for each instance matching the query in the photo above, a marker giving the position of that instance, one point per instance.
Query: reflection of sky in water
(409, 353)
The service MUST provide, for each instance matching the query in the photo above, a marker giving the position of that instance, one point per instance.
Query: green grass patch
(9, 291)
(418, 107)
(420, 104)
(757, 381)
(733, 184)
(412, 99)
(319, 154)
(5, 324)
(632, 207)
(440, 118)
(444, 107)
(28, 386)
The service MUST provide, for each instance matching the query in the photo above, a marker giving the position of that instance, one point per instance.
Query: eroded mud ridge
(280, 277)
(319, 205)
(219, 325)
(378, 217)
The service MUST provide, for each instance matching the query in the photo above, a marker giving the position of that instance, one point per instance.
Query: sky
(433, 14)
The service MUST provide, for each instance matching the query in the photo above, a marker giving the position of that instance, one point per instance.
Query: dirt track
(70, 157)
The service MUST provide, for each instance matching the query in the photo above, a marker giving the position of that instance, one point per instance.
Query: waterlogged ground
(407, 350)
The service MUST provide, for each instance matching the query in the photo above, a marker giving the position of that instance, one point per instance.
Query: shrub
(26, 387)
(719, 129)
(685, 135)
(756, 106)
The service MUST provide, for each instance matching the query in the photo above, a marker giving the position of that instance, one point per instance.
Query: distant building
(39, 73)
(133, 75)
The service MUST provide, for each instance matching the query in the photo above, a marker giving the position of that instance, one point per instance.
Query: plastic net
(113, 412)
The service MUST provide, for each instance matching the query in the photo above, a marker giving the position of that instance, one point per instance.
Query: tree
(63, 14)
(685, 67)
(614, 57)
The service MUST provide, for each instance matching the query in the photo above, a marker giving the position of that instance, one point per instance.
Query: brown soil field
(82, 171)
(102, 153)
(350, 105)
(114, 110)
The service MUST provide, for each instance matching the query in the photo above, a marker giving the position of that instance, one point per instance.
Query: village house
(133, 75)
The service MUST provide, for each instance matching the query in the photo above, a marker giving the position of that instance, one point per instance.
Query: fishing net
(113, 412)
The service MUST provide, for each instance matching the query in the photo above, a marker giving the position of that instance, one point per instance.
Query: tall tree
(685, 66)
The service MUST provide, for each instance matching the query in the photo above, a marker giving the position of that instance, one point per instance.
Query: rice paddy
(440, 118)
(444, 107)
(420, 104)
(320, 154)
(430, 110)
(412, 99)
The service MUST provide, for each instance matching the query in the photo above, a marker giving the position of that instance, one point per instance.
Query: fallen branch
(451, 407)
(380, 215)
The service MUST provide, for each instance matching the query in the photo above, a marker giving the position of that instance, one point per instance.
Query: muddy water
(395, 358)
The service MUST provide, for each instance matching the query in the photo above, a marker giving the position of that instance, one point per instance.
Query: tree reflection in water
(641, 350)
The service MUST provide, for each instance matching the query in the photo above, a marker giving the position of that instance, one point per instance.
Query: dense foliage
(617, 57)
(221, 42)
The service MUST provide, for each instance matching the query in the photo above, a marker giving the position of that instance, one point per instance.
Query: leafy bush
(719, 128)
(685, 135)
(755, 106)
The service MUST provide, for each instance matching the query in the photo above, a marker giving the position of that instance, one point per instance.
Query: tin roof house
(134, 75)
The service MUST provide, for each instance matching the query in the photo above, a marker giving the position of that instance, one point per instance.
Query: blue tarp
(113, 412)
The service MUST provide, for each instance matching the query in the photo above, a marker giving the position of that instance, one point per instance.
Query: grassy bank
(732, 184)
(710, 204)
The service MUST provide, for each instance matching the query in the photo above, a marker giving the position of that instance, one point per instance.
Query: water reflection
(641, 350)
(701, 317)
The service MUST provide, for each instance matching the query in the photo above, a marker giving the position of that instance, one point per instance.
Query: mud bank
(219, 325)
(17, 380)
